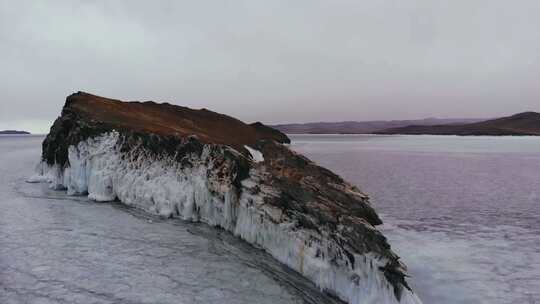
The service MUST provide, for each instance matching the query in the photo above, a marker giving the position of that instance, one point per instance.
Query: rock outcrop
(203, 166)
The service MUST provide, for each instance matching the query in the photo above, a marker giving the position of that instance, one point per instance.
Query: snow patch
(256, 155)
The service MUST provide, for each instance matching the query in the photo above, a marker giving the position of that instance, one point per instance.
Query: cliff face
(203, 166)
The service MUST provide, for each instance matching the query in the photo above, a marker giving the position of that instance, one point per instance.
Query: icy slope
(164, 186)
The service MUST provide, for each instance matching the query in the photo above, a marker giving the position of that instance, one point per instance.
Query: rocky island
(198, 165)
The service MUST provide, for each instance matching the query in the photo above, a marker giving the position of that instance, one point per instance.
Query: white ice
(255, 154)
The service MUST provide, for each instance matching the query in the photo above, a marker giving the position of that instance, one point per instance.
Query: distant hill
(361, 127)
(527, 123)
(13, 132)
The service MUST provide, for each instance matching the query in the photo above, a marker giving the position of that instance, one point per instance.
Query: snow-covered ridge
(160, 184)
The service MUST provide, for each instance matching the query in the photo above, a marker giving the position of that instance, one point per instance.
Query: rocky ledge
(199, 165)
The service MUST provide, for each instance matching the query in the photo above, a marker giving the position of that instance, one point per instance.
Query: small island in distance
(13, 132)
(526, 123)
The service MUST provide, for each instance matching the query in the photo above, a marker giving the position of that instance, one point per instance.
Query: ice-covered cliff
(203, 166)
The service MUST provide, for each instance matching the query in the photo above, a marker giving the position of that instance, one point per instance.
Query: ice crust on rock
(255, 154)
(99, 168)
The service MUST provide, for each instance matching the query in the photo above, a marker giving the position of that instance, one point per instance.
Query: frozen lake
(59, 249)
(462, 212)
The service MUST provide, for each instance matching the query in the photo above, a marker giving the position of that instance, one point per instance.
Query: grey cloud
(274, 61)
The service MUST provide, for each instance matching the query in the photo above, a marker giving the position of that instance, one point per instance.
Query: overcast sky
(274, 61)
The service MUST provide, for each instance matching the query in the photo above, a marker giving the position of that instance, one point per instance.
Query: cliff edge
(199, 165)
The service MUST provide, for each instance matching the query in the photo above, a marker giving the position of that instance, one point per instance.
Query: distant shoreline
(521, 124)
(376, 134)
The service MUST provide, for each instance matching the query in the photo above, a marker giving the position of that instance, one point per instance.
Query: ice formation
(256, 155)
(203, 166)
(161, 185)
